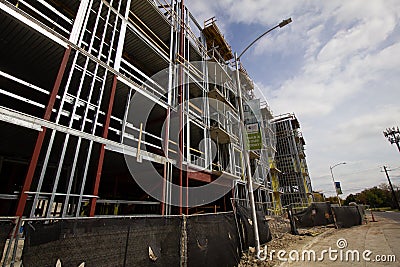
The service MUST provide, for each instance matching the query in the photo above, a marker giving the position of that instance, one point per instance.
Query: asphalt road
(388, 215)
(382, 238)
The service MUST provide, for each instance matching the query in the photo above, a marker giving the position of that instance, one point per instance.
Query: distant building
(291, 161)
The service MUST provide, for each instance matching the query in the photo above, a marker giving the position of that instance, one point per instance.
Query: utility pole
(393, 136)
(391, 187)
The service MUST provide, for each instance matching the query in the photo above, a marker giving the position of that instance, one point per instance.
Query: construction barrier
(245, 221)
(198, 240)
(362, 210)
(315, 215)
(212, 240)
(146, 241)
(324, 213)
(293, 227)
(6, 227)
(347, 216)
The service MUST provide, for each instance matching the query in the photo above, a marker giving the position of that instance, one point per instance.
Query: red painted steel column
(39, 141)
(102, 148)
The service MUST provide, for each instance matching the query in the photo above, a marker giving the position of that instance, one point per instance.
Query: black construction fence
(246, 227)
(315, 215)
(7, 226)
(136, 241)
(348, 216)
(323, 213)
(212, 240)
(196, 240)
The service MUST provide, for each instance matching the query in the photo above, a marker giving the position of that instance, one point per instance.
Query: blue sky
(336, 66)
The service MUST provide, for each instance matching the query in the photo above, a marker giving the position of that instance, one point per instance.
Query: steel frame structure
(65, 102)
(294, 180)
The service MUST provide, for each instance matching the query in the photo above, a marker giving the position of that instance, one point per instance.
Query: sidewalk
(382, 238)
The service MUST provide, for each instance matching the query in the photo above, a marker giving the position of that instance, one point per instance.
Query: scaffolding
(216, 40)
(294, 181)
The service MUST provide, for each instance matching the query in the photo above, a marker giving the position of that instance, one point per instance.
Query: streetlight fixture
(393, 136)
(244, 141)
(333, 179)
(280, 25)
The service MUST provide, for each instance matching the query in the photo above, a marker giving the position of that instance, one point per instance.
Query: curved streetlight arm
(337, 165)
(280, 25)
(333, 179)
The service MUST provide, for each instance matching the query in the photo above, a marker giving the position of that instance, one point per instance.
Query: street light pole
(333, 179)
(244, 140)
(247, 160)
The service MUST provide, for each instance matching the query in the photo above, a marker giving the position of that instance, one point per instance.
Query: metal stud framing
(95, 66)
(293, 168)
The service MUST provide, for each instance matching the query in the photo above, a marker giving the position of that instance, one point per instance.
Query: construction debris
(282, 240)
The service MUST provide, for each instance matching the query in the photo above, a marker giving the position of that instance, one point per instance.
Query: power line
(356, 172)
(348, 174)
(394, 169)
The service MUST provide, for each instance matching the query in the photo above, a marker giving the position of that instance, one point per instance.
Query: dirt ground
(381, 238)
(282, 239)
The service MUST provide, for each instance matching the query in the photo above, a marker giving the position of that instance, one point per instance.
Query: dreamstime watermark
(338, 254)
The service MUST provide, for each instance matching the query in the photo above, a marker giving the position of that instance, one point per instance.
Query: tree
(318, 197)
(376, 197)
(333, 200)
(350, 198)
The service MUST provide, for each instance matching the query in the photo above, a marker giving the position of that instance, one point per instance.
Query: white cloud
(345, 88)
(367, 125)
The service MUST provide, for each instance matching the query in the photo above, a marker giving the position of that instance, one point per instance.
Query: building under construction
(294, 179)
(115, 107)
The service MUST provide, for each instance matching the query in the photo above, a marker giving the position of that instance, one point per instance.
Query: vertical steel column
(121, 39)
(41, 135)
(180, 95)
(187, 56)
(124, 121)
(79, 21)
(102, 148)
(166, 148)
(167, 122)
